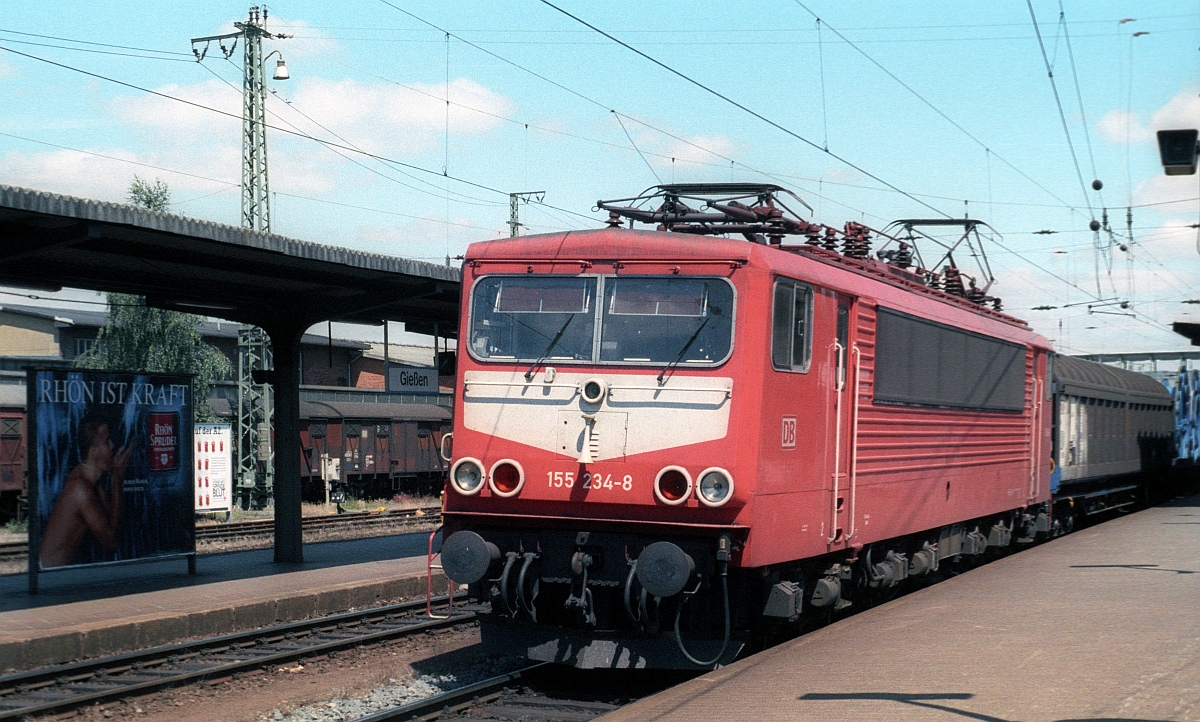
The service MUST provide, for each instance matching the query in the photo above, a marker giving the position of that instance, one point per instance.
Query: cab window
(533, 317)
(666, 320)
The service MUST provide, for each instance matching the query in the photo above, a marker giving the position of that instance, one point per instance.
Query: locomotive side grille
(898, 438)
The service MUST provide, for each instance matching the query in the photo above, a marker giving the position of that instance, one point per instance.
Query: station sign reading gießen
(412, 380)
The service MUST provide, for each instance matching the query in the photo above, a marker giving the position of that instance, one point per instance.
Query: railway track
(70, 686)
(16, 551)
(543, 691)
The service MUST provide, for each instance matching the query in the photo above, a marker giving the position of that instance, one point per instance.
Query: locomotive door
(845, 415)
(1039, 398)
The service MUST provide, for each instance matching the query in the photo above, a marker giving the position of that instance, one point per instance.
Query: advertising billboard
(214, 467)
(111, 457)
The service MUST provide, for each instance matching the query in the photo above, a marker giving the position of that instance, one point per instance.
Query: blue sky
(949, 102)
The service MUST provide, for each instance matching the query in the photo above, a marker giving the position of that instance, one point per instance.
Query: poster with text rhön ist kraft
(112, 478)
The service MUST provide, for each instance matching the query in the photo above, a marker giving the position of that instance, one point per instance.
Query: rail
(17, 550)
(71, 686)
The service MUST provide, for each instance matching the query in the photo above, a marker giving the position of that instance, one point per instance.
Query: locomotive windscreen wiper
(686, 346)
(553, 342)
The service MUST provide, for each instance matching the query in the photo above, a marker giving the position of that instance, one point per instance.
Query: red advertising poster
(214, 468)
(163, 431)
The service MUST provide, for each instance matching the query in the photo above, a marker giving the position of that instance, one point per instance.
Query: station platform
(1102, 624)
(92, 612)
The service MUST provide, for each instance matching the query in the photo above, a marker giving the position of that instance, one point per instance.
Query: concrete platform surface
(1103, 624)
(84, 613)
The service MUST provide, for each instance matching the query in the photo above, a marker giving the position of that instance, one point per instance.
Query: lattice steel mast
(514, 219)
(256, 456)
(256, 206)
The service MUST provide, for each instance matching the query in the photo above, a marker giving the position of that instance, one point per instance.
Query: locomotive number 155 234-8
(588, 480)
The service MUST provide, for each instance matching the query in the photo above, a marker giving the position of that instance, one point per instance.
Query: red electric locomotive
(666, 442)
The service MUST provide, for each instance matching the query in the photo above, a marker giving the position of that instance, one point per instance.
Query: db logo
(788, 436)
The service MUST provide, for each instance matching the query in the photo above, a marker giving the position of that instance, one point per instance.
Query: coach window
(791, 318)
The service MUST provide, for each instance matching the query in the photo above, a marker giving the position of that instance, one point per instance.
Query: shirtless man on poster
(82, 508)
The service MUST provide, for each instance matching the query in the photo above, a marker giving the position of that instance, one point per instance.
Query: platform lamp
(1178, 151)
(281, 71)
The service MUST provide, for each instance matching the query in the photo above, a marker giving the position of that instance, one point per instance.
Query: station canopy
(50, 241)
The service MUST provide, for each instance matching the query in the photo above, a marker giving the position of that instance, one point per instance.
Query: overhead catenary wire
(348, 158)
(597, 103)
(932, 107)
(723, 30)
(574, 93)
(98, 52)
(801, 138)
(653, 172)
(286, 131)
(776, 175)
(276, 128)
(1062, 115)
(90, 42)
(648, 154)
(230, 185)
(757, 42)
(1087, 136)
(744, 108)
(601, 105)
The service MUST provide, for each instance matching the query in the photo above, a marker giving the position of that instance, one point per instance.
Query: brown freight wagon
(378, 449)
(12, 463)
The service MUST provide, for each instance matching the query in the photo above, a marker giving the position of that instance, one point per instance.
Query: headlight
(507, 477)
(467, 476)
(673, 485)
(715, 487)
(593, 390)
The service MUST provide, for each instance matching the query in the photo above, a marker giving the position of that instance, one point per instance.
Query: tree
(138, 337)
(155, 197)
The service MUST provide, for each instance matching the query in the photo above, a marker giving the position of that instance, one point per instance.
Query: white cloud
(71, 173)
(186, 122)
(306, 42)
(383, 118)
(1162, 189)
(7, 70)
(379, 118)
(303, 40)
(422, 240)
(107, 178)
(1181, 111)
(699, 149)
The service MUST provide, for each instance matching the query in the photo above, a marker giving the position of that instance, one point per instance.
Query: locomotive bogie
(616, 598)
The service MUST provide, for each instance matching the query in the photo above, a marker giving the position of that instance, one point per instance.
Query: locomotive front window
(642, 319)
(530, 318)
(663, 320)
